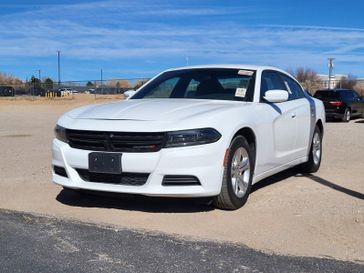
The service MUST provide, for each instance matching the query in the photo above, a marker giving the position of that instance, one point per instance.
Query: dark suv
(6, 91)
(341, 103)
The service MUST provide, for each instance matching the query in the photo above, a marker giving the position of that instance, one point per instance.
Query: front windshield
(208, 83)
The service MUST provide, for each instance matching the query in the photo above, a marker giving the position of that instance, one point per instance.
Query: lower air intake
(60, 171)
(180, 180)
(127, 179)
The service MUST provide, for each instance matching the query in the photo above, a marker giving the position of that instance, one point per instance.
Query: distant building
(334, 80)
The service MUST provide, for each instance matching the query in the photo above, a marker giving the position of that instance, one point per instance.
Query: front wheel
(314, 159)
(238, 175)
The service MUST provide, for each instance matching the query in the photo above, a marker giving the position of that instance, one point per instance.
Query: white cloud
(123, 30)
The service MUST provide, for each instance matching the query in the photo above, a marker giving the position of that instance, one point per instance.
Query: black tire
(312, 165)
(227, 199)
(347, 115)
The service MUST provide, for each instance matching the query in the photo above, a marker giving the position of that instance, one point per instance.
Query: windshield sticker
(240, 92)
(245, 72)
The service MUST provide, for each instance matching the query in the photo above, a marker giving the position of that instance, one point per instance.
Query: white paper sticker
(240, 92)
(245, 72)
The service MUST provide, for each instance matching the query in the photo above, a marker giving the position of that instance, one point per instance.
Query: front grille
(60, 171)
(180, 180)
(128, 179)
(115, 141)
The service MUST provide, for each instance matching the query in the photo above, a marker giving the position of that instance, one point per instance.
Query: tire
(314, 159)
(239, 164)
(347, 115)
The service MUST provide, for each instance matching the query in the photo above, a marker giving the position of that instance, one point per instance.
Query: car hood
(152, 109)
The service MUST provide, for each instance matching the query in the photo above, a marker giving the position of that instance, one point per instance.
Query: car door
(278, 125)
(357, 103)
(301, 109)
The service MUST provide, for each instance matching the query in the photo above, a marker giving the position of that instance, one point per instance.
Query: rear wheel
(347, 115)
(238, 175)
(314, 159)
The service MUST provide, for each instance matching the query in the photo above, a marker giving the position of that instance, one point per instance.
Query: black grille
(115, 141)
(129, 179)
(60, 171)
(180, 180)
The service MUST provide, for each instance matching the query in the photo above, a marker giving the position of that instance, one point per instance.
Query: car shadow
(294, 172)
(177, 205)
(359, 121)
(134, 202)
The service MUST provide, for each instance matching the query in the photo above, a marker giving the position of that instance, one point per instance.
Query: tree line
(309, 79)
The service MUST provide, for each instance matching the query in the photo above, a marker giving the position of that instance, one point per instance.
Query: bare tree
(347, 82)
(139, 83)
(6, 79)
(308, 78)
(119, 83)
(359, 87)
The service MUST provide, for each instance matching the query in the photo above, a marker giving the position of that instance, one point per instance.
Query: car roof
(231, 66)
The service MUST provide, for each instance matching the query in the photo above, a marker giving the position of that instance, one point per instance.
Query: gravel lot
(320, 215)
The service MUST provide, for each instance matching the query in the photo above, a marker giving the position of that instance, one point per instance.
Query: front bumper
(204, 162)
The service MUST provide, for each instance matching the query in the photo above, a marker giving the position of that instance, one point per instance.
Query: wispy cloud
(123, 30)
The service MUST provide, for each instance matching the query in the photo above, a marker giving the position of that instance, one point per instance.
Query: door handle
(293, 115)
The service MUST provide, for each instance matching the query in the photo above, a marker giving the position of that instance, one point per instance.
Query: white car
(192, 132)
(67, 91)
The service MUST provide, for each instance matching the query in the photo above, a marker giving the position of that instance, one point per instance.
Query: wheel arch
(320, 125)
(249, 134)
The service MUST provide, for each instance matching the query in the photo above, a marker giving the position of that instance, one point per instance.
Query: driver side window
(270, 81)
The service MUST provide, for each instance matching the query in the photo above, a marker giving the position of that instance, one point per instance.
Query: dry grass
(71, 100)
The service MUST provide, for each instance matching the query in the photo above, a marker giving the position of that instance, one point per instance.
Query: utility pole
(102, 88)
(39, 75)
(59, 67)
(330, 66)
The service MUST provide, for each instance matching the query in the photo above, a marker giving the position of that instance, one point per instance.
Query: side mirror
(128, 94)
(276, 95)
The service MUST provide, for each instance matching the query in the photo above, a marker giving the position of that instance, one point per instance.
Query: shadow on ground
(178, 205)
(134, 202)
(294, 172)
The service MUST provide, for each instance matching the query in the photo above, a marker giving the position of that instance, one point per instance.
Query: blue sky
(131, 39)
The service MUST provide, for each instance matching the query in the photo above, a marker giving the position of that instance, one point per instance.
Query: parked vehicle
(90, 91)
(67, 91)
(7, 91)
(192, 132)
(341, 103)
(129, 93)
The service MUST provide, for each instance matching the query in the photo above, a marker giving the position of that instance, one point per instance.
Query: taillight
(336, 103)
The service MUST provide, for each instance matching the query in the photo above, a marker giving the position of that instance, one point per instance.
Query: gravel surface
(320, 215)
(39, 244)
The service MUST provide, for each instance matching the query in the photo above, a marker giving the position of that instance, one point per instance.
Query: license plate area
(109, 163)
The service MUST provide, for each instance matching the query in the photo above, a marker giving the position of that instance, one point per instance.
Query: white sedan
(192, 132)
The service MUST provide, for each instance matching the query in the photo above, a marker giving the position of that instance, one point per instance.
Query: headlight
(60, 133)
(192, 137)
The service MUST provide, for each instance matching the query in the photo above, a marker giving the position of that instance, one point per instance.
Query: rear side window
(326, 95)
(347, 94)
(294, 89)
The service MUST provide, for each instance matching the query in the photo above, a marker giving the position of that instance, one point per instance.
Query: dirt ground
(320, 215)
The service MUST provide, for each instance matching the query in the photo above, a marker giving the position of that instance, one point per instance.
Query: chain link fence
(116, 87)
(67, 90)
